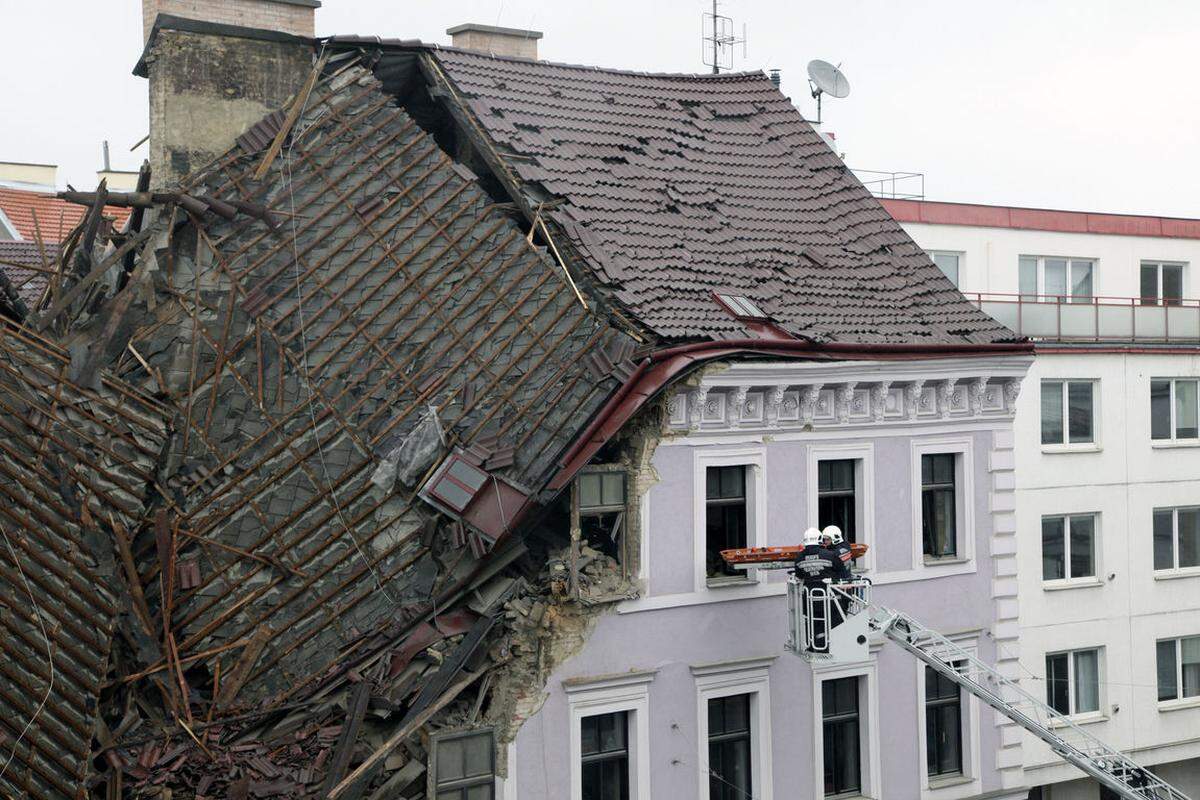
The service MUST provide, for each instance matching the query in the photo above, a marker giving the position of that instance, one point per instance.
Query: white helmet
(812, 536)
(834, 533)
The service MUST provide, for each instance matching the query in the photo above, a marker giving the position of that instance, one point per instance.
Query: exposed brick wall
(275, 15)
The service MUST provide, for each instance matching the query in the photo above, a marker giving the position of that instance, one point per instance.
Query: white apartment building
(1107, 466)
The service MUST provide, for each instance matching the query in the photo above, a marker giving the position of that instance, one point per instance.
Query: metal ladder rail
(1108, 766)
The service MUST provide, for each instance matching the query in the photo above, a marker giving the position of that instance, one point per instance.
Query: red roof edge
(1040, 219)
(661, 367)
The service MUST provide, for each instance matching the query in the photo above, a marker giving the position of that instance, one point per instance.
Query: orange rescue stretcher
(779, 557)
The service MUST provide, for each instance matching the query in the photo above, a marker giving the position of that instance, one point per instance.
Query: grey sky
(1087, 104)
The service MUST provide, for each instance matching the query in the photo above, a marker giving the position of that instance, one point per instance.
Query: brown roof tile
(680, 185)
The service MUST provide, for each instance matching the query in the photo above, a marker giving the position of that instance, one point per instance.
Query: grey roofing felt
(680, 185)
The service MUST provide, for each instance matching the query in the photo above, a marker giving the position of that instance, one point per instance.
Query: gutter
(661, 367)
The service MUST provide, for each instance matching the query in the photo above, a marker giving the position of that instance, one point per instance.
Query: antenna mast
(718, 40)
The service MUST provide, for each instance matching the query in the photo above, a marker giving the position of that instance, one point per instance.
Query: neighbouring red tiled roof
(676, 186)
(1041, 219)
(29, 283)
(55, 217)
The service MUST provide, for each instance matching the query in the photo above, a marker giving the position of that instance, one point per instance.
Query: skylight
(740, 306)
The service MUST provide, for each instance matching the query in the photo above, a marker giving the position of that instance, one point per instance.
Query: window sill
(1179, 705)
(732, 580)
(947, 781)
(1071, 583)
(1167, 444)
(938, 561)
(1175, 574)
(1081, 447)
(1090, 718)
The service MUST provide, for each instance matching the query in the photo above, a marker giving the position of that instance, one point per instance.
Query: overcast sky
(1082, 104)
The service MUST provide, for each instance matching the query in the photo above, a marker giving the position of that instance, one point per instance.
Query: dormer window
(741, 307)
(454, 485)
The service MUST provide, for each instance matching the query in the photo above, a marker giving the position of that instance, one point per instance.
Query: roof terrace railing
(1071, 318)
(891, 184)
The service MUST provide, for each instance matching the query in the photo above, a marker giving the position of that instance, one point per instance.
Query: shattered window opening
(463, 766)
(603, 509)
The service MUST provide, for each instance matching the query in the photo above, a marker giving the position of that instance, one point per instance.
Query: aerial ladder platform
(831, 623)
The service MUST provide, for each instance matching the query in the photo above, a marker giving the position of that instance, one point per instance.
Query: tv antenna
(824, 78)
(718, 40)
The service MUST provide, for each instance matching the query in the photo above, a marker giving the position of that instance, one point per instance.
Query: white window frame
(1172, 440)
(628, 692)
(1158, 265)
(1097, 567)
(1177, 702)
(1042, 296)
(1065, 445)
(863, 456)
(754, 458)
(1174, 570)
(961, 256)
(743, 676)
(1101, 685)
(868, 713)
(969, 783)
(963, 450)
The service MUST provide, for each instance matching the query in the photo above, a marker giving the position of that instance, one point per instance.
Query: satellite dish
(825, 78)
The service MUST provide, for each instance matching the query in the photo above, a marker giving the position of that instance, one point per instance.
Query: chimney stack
(494, 40)
(217, 67)
(775, 78)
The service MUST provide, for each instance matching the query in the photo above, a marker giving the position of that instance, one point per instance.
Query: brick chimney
(215, 68)
(495, 41)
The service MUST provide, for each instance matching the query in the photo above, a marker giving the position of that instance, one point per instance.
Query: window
(1176, 538)
(1173, 409)
(1161, 282)
(948, 263)
(464, 767)
(1178, 668)
(1068, 412)
(1056, 280)
(454, 485)
(741, 306)
(725, 517)
(841, 736)
(939, 515)
(729, 751)
(943, 724)
(1068, 547)
(1073, 681)
(602, 509)
(836, 500)
(604, 751)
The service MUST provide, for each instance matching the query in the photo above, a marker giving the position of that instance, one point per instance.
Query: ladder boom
(1108, 766)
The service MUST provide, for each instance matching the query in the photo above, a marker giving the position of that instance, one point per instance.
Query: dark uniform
(845, 557)
(816, 563)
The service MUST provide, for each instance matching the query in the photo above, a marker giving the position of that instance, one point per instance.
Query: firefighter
(832, 538)
(816, 563)
(815, 567)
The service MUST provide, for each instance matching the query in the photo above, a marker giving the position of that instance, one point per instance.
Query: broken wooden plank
(293, 114)
(350, 728)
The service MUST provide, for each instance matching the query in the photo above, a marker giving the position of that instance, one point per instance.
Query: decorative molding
(760, 396)
(879, 399)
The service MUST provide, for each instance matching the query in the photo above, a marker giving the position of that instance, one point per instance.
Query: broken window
(464, 766)
(725, 512)
(454, 485)
(602, 508)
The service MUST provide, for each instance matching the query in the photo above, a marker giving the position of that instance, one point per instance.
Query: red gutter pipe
(660, 367)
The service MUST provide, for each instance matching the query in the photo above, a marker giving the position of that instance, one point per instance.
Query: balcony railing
(1094, 319)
